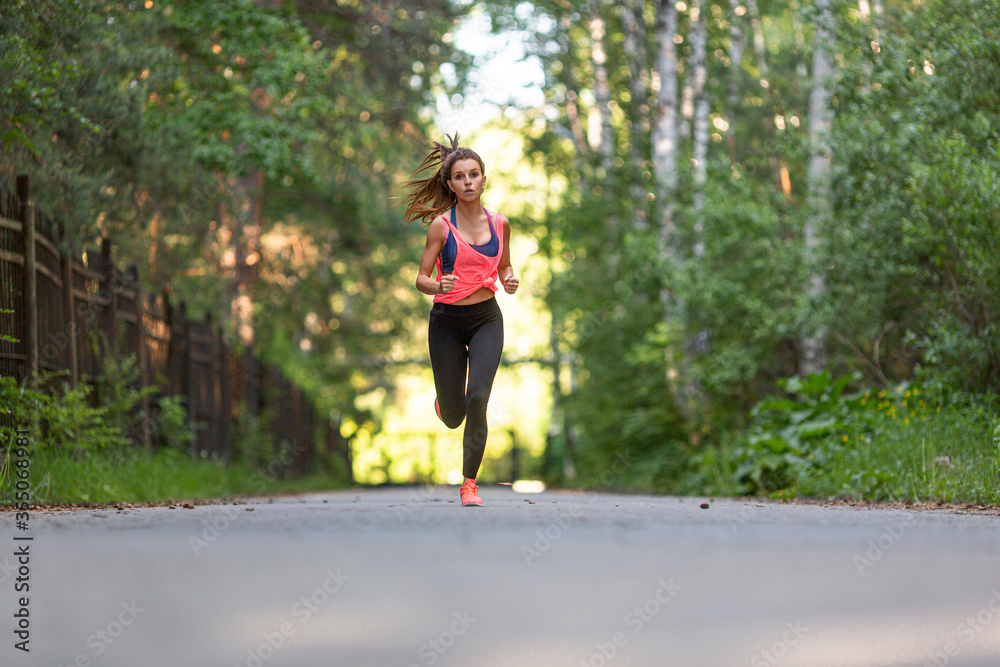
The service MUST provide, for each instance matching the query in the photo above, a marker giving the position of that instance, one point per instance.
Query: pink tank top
(472, 269)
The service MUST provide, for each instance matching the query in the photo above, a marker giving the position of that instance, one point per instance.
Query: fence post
(185, 376)
(143, 358)
(211, 440)
(30, 278)
(83, 312)
(310, 435)
(69, 312)
(226, 398)
(171, 365)
(111, 315)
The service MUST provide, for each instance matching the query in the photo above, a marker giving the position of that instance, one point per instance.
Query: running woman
(469, 247)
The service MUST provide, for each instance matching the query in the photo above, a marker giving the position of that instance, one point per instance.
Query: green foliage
(180, 127)
(67, 117)
(914, 282)
(72, 423)
(85, 419)
(671, 334)
(609, 310)
(194, 131)
(172, 428)
(908, 261)
(908, 442)
(742, 299)
(18, 402)
(927, 444)
(19, 408)
(167, 475)
(786, 434)
(119, 393)
(70, 420)
(256, 64)
(251, 438)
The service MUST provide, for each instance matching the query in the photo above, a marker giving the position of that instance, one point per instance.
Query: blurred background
(756, 239)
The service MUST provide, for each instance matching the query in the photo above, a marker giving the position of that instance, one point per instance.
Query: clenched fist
(446, 284)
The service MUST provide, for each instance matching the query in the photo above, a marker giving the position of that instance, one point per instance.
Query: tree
(813, 343)
(251, 150)
(914, 288)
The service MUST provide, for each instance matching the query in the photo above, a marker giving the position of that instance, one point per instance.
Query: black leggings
(466, 340)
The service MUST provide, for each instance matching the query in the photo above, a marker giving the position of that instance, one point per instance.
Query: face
(467, 179)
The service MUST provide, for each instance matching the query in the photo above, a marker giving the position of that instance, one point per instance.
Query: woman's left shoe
(470, 494)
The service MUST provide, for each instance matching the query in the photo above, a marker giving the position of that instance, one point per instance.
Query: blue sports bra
(450, 249)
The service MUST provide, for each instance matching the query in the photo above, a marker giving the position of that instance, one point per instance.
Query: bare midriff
(480, 295)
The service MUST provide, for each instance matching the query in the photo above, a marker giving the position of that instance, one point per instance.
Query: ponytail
(430, 196)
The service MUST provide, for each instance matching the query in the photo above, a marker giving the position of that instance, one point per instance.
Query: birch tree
(634, 44)
(665, 156)
(813, 345)
(576, 131)
(701, 106)
(665, 123)
(760, 50)
(737, 44)
(599, 124)
(601, 135)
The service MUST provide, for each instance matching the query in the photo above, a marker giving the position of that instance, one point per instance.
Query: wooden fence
(73, 308)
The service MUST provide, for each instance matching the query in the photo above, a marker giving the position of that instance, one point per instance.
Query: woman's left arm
(505, 270)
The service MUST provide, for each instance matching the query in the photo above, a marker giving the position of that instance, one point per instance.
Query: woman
(470, 248)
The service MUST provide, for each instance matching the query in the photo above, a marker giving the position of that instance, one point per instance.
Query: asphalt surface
(407, 577)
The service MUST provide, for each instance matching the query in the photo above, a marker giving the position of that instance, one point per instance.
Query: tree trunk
(687, 104)
(599, 127)
(870, 11)
(576, 130)
(700, 78)
(758, 41)
(242, 222)
(778, 170)
(872, 14)
(154, 248)
(560, 421)
(813, 342)
(635, 55)
(665, 168)
(737, 42)
(665, 126)
(801, 67)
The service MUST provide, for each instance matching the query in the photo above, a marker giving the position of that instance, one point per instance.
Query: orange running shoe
(470, 494)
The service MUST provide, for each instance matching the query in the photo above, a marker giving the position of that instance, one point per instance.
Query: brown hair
(430, 196)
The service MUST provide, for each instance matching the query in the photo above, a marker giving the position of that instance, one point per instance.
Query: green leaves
(245, 79)
(913, 253)
(786, 433)
(187, 128)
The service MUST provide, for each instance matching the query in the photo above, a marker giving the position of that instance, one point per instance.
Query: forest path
(405, 576)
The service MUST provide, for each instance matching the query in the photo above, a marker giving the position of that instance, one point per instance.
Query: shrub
(172, 424)
(905, 442)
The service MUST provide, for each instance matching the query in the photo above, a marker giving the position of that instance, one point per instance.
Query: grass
(135, 477)
(950, 456)
(903, 444)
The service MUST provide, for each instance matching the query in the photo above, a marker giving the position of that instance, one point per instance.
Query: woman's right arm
(437, 235)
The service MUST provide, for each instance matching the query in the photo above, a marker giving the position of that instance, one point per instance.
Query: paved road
(404, 577)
